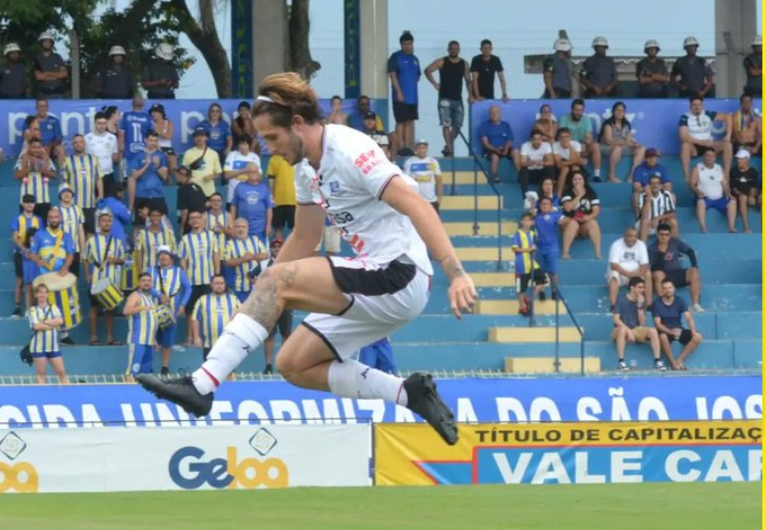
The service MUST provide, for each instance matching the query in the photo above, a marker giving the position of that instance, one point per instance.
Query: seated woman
(616, 140)
(581, 206)
(546, 189)
(547, 124)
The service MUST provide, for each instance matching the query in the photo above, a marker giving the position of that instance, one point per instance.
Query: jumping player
(353, 302)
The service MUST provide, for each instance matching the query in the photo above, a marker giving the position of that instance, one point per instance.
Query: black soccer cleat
(180, 390)
(425, 401)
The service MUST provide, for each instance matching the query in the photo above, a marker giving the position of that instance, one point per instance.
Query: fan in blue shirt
(547, 223)
(252, 201)
(134, 127)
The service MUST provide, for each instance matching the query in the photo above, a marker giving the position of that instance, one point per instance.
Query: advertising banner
(99, 460)
(473, 400)
(583, 453)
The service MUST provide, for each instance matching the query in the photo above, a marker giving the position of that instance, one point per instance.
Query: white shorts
(381, 300)
(622, 280)
(331, 240)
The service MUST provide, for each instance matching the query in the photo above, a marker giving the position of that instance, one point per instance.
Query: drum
(164, 316)
(107, 294)
(129, 280)
(62, 291)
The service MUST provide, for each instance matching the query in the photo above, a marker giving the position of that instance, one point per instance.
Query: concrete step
(536, 334)
(485, 202)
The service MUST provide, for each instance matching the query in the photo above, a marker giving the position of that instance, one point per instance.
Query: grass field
(730, 506)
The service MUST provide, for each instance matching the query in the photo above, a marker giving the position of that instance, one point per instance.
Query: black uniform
(115, 81)
(654, 89)
(49, 63)
(13, 81)
(753, 82)
(693, 72)
(158, 70)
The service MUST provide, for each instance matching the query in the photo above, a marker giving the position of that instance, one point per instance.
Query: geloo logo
(190, 470)
(20, 477)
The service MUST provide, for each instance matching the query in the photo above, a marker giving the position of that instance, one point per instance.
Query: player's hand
(462, 295)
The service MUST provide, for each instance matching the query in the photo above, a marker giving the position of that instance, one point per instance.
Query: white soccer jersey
(424, 171)
(536, 154)
(710, 181)
(353, 175)
(102, 146)
(630, 258)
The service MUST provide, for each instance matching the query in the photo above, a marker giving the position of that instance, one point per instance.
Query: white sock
(240, 336)
(597, 172)
(358, 381)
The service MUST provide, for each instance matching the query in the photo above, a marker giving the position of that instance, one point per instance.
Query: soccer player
(142, 327)
(213, 312)
(353, 302)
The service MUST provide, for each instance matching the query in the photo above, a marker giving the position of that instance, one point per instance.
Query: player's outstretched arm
(402, 198)
(309, 226)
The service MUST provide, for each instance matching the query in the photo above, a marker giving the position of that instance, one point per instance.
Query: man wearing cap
(34, 169)
(426, 171)
(190, 198)
(557, 71)
(104, 146)
(103, 258)
(598, 73)
(404, 72)
(203, 162)
(73, 221)
(49, 69)
(378, 135)
(160, 77)
(13, 75)
(171, 286)
(753, 67)
(243, 253)
(23, 227)
(149, 172)
(644, 172)
(744, 181)
(82, 173)
(691, 73)
(652, 73)
(115, 80)
(747, 127)
(283, 325)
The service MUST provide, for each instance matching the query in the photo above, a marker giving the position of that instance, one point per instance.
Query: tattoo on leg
(265, 305)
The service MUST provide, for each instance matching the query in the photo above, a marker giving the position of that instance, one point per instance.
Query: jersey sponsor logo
(367, 161)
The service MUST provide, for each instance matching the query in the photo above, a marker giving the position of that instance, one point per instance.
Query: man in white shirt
(567, 153)
(104, 146)
(710, 184)
(695, 131)
(628, 258)
(426, 171)
(235, 167)
(656, 207)
(535, 162)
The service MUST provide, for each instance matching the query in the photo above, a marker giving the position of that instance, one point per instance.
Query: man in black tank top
(453, 71)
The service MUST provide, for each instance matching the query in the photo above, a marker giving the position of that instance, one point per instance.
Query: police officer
(115, 80)
(652, 73)
(557, 71)
(598, 73)
(49, 70)
(13, 79)
(691, 73)
(753, 66)
(160, 77)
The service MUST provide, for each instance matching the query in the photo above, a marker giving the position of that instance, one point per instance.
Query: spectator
(336, 114)
(497, 139)
(547, 189)
(567, 155)
(164, 129)
(218, 132)
(616, 140)
(50, 132)
(753, 67)
(200, 259)
(34, 169)
(484, 67)
(582, 132)
(548, 221)
(668, 313)
(149, 171)
(151, 238)
(696, 135)
(45, 320)
(212, 312)
(379, 136)
(49, 70)
(243, 126)
(73, 222)
(656, 206)
(190, 198)
(160, 76)
(13, 75)
(747, 128)
(664, 255)
(581, 206)
(691, 73)
(171, 286)
(652, 73)
(629, 325)
(283, 325)
(31, 130)
(547, 123)
(363, 107)
(244, 253)
(453, 71)
(219, 223)
(204, 163)
(141, 313)
(23, 227)
(113, 120)
(557, 71)
(134, 126)
(115, 80)
(52, 248)
(252, 201)
(103, 258)
(527, 269)
(627, 259)
(426, 171)
(235, 167)
(643, 174)
(712, 189)
(535, 161)
(379, 355)
(404, 72)
(104, 146)
(598, 73)
(82, 173)
(115, 203)
(744, 181)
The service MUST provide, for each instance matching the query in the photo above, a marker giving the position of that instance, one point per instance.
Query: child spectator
(547, 223)
(426, 171)
(526, 267)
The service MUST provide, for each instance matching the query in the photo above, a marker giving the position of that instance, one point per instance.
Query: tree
(300, 59)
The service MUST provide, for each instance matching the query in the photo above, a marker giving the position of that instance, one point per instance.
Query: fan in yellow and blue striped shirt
(218, 220)
(33, 169)
(199, 252)
(150, 239)
(213, 312)
(83, 173)
(72, 219)
(100, 248)
(44, 341)
(243, 253)
(142, 327)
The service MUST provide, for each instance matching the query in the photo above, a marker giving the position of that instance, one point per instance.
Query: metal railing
(560, 298)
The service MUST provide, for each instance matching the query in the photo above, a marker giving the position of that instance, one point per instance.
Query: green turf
(733, 506)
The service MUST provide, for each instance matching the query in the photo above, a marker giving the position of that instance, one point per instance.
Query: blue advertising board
(473, 400)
